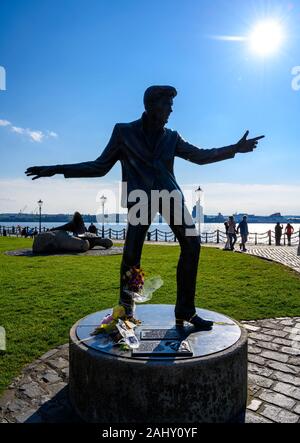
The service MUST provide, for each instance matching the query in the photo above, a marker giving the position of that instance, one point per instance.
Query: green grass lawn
(41, 297)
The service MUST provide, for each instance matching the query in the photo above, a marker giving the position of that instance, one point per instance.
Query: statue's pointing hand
(245, 145)
(41, 171)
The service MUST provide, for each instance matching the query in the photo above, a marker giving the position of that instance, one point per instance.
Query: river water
(259, 228)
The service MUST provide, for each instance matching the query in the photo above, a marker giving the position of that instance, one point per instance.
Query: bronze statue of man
(146, 150)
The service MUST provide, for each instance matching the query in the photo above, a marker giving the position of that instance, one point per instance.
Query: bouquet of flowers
(136, 286)
(117, 325)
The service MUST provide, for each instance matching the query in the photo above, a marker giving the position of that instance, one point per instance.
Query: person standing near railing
(232, 232)
(227, 244)
(243, 229)
(289, 231)
(278, 233)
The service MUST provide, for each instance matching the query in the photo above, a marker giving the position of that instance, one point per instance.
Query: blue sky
(74, 68)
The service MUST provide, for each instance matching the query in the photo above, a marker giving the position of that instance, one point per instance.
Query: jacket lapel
(146, 148)
(159, 144)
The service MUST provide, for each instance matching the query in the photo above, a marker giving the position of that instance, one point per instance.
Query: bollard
(218, 236)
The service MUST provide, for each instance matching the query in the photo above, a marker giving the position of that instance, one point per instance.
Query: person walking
(289, 231)
(232, 232)
(278, 233)
(243, 230)
(227, 244)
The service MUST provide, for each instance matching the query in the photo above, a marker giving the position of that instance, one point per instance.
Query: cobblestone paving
(40, 393)
(286, 255)
(273, 370)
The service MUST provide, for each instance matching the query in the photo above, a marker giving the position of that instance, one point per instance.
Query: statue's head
(158, 101)
(77, 218)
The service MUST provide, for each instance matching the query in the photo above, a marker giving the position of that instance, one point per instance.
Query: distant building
(277, 214)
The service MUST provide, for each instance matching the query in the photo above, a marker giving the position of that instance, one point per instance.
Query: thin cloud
(52, 134)
(228, 38)
(66, 196)
(17, 130)
(4, 123)
(34, 135)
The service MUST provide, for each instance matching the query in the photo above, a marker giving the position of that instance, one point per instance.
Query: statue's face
(162, 109)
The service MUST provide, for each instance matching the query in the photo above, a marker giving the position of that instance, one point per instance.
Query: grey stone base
(109, 388)
(40, 393)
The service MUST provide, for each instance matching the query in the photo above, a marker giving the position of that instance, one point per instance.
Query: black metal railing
(158, 235)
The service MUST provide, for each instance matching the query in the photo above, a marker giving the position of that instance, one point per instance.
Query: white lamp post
(199, 193)
(40, 203)
(103, 200)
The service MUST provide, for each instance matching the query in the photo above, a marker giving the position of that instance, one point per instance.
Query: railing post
(256, 238)
(218, 236)
(109, 232)
(175, 238)
(156, 234)
(166, 238)
(149, 236)
(124, 233)
(284, 239)
(206, 238)
(270, 237)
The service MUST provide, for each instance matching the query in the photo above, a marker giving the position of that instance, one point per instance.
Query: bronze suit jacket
(145, 167)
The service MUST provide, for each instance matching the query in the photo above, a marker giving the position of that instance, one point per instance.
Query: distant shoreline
(122, 218)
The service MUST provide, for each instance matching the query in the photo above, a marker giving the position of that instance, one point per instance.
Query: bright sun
(266, 37)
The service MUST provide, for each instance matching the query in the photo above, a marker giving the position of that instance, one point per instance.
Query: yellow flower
(118, 312)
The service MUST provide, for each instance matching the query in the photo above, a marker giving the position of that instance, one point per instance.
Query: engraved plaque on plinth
(160, 334)
(164, 348)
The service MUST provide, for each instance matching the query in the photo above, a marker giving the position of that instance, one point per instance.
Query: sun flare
(266, 38)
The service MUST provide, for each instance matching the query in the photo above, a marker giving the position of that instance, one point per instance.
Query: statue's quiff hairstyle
(153, 93)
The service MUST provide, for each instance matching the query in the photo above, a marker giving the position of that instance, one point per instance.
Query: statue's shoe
(199, 323)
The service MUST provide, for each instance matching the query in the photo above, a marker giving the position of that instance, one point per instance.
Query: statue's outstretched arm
(203, 156)
(96, 168)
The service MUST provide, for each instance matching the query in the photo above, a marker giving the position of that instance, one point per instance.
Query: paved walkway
(286, 255)
(97, 251)
(40, 393)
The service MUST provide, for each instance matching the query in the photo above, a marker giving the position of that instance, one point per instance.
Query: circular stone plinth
(108, 385)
